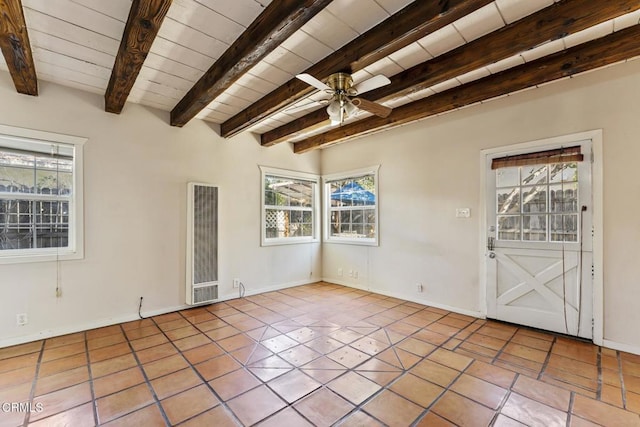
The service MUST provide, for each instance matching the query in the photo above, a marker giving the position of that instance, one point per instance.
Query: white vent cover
(202, 243)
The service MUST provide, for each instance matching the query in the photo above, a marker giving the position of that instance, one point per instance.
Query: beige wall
(430, 168)
(135, 162)
(136, 169)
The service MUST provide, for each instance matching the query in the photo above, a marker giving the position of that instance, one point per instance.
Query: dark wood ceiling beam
(401, 29)
(607, 50)
(554, 22)
(272, 27)
(143, 24)
(14, 42)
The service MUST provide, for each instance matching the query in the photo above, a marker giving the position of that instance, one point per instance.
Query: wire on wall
(140, 309)
(54, 153)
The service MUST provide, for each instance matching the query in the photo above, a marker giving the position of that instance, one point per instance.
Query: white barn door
(539, 253)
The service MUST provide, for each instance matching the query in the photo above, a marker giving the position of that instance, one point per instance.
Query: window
(40, 196)
(538, 203)
(351, 207)
(289, 207)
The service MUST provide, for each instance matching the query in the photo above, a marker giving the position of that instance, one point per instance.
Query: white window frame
(326, 206)
(21, 138)
(315, 206)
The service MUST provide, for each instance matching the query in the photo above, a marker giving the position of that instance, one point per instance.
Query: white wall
(432, 167)
(136, 169)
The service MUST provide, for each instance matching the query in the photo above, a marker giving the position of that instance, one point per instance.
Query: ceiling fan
(344, 102)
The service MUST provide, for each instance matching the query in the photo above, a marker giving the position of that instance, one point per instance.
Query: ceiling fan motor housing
(340, 82)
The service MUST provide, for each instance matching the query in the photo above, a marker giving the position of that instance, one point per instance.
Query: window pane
(533, 175)
(26, 223)
(306, 230)
(534, 228)
(276, 223)
(563, 172)
(357, 217)
(534, 199)
(507, 177)
(564, 228)
(508, 200)
(294, 199)
(564, 197)
(508, 227)
(370, 217)
(352, 207)
(16, 179)
(354, 192)
(370, 230)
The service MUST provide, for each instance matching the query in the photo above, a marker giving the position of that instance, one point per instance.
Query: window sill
(40, 257)
(289, 241)
(357, 242)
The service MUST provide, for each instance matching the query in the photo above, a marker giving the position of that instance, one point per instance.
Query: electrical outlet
(355, 274)
(419, 287)
(463, 213)
(350, 273)
(21, 319)
(236, 283)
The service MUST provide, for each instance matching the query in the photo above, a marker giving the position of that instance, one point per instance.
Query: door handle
(490, 243)
(492, 255)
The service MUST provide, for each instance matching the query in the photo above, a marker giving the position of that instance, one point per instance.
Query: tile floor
(320, 355)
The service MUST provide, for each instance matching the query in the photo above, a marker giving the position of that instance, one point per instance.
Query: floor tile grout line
(499, 353)
(623, 387)
(546, 360)
(94, 400)
(147, 381)
(599, 374)
(34, 383)
(506, 398)
(572, 396)
(205, 382)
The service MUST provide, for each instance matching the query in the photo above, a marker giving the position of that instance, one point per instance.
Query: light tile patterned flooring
(320, 355)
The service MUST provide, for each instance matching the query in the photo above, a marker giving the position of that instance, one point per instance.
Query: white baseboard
(621, 347)
(280, 287)
(411, 298)
(55, 332)
(345, 283)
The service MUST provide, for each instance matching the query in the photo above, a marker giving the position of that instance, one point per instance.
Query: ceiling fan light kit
(343, 103)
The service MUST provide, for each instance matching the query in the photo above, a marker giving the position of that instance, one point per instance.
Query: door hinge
(593, 272)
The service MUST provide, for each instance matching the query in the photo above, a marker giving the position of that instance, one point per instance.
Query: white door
(539, 246)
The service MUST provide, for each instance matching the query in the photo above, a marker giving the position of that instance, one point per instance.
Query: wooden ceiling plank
(408, 25)
(16, 48)
(274, 25)
(143, 24)
(619, 46)
(551, 23)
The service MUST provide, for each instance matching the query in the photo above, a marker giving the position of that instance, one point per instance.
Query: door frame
(596, 193)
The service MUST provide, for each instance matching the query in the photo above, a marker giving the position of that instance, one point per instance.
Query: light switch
(463, 213)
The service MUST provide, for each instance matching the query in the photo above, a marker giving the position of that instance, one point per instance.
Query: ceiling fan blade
(312, 81)
(372, 83)
(372, 107)
(300, 107)
(306, 105)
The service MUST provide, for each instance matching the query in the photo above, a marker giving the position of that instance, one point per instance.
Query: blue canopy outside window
(354, 192)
